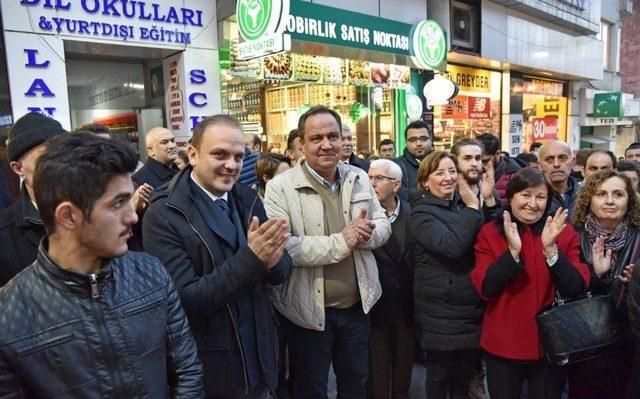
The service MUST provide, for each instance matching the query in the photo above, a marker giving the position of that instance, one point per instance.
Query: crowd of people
(220, 272)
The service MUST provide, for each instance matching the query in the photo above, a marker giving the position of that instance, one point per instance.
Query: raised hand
(140, 198)
(488, 184)
(466, 194)
(267, 240)
(625, 277)
(359, 230)
(601, 258)
(513, 237)
(553, 226)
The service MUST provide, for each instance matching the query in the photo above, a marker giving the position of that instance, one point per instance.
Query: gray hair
(347, 128)
(392, 168)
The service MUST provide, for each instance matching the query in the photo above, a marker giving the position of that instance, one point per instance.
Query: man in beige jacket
(336, 220)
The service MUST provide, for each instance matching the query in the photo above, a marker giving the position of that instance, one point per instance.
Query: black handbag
(581, 329)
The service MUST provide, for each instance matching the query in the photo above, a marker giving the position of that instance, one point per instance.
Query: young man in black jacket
(419, 144)
(88, 318)
(21, 228)
(213, 237)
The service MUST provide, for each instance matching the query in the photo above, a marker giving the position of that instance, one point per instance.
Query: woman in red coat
(521, 261)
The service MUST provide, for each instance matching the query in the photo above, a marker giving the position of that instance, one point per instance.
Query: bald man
(555, 161)
(162, 150)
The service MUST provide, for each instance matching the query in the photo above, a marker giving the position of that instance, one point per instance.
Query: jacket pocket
(148, 314)
(44, 345)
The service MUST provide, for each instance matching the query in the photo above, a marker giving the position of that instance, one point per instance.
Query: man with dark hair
(347, 155)
(632, 152)
(294, 148)
(21, 227)
(467, 154)
(87, 317)
(598, 160)
(535, 147)
(579, 161)
(631, 169)
(504, 167)
(387, 149)
(530, 159)
(253, 143)
(419, 144)
(214, 238)
(336, 220)
(95, 128)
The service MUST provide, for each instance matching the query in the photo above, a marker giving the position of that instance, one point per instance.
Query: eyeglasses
(423, 139)
(381, 178)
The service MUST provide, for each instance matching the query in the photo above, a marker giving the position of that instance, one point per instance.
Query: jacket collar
(162, 171)
(75, 283)
(26, 213)
(430, 199)
(178, 194)
(300, 180)
(410, 158)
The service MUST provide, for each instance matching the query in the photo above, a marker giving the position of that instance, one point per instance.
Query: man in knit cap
(20, 225)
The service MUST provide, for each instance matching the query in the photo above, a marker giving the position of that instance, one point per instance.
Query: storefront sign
(479, 107)
(37, 76)
(457, 108)
(551, 106)
(268, 45)
(607, 105)
(170, 23)
(540, 86)
(414, 107)
(261, 23)
(429, 45)
(515, 134)
(469, 79)
(545, 128)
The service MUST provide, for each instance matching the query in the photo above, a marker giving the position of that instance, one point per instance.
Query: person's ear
(68, 216)
(16, 167)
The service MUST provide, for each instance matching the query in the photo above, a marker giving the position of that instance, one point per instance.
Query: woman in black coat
(607, 216)
(445, 220)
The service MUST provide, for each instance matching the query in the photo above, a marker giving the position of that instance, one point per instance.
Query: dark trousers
(603, 377)
(345, 342)
(391, 360)
(505, 378)
(450, 372)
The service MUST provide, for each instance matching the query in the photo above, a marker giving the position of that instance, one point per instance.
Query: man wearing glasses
(392, 336)
(419, 145)
(555, 161)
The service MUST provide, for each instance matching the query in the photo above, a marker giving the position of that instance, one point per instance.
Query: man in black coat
(21, 228)
(347, 155)
(213, 237)
(159, 167)
(419, 144)
(392, 332)
(88, 319)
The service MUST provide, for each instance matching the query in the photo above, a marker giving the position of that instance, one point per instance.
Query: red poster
(545, 128)
(456, 109)
(479, 107)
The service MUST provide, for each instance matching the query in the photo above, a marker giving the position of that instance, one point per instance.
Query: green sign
(257, 18)
(429, 44)
(607, 105)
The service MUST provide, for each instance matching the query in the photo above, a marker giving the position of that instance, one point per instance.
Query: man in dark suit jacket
(392, 336)
(160, 167)
(347, 155)
(213, 237)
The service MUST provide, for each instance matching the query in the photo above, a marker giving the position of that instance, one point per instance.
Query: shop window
(475, 110)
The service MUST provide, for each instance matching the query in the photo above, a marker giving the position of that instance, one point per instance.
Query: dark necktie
(222, 203)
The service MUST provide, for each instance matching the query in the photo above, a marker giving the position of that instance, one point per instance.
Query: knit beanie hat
(29, 131)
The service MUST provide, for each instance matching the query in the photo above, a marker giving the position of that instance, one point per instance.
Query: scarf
(614, 241)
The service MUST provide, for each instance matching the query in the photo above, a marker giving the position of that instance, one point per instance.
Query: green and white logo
(257, 18)
(429, 45)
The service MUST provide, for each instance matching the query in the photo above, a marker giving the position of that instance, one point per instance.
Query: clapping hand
(601, 258)
(625, 277)
(267, 240)
(553, 226)
(512, 235)
(466, 194)
(359, 230)
(488, 184)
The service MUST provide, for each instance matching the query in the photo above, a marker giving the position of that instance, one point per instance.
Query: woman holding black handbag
(607, 217)
(521, 260)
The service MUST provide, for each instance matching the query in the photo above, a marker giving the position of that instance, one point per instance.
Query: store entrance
(121, 87)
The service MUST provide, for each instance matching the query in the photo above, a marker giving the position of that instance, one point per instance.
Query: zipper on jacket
(104, 332)
(235, 327)
(93, 280)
